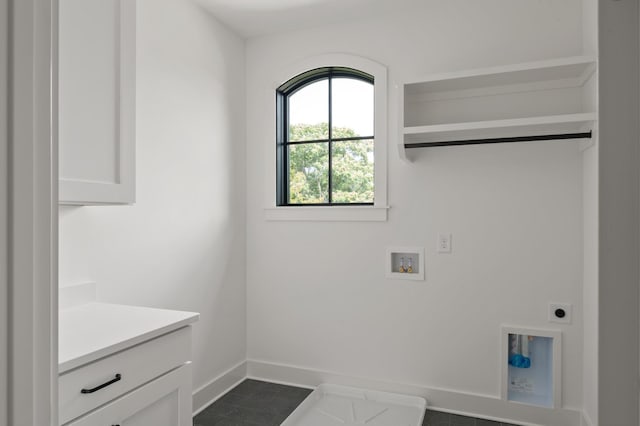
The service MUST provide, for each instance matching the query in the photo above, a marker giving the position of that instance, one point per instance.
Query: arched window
(325, 138)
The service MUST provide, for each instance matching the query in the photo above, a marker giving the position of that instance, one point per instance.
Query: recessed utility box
(531, 366)
(405, 263)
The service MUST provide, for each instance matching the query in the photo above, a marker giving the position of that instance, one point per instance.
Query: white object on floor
(330, 405)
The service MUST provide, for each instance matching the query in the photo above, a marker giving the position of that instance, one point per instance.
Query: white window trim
(377, 212)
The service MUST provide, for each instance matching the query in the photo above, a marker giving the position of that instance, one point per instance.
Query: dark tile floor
(256, 403)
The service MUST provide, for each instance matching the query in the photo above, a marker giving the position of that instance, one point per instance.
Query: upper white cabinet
(546, 100)
(97, 101)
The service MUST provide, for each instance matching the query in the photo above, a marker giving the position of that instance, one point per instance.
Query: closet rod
(585, 135)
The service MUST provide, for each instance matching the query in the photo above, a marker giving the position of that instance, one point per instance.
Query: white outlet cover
(444, 243)
(567, 307)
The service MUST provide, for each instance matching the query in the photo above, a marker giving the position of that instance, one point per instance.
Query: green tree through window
(330, 161)
(352, 167)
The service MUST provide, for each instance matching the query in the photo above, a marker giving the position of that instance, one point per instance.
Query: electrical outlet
(560, 312)
(444, 243)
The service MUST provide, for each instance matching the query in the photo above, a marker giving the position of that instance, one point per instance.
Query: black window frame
(283, 93)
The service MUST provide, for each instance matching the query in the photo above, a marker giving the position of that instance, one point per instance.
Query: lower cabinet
(165, 401)
(147, 384)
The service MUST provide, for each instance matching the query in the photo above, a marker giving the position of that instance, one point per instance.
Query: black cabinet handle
(104, 385)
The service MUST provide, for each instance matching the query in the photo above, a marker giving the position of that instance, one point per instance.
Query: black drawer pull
(104, 385)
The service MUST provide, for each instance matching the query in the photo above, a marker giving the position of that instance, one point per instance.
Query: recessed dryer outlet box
(560, 312)
(532, 366)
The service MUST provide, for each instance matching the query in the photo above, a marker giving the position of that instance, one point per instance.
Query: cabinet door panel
(96, 101)
(166, 401)
(163, 412)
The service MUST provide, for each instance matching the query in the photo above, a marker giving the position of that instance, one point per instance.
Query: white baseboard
(210, 392)
(481, 406)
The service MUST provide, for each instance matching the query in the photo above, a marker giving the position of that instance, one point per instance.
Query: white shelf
(554, 124)
(573, 71)
(527, 100)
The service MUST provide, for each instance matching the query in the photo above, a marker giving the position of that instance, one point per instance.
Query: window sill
(327, 214)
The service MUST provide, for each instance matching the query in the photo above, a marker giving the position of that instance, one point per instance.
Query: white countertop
(91, 331)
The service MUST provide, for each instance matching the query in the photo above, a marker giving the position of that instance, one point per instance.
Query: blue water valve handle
(519, 361)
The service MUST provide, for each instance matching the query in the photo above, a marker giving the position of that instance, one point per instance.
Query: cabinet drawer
(166, 401)
(135, 366)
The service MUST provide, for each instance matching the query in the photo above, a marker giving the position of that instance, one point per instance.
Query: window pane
(352, 171)
(352, 108)
(309, 173)
(309, 112)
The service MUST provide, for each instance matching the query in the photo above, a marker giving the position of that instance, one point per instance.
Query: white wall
(619, 213)
(317, 295)
(590, 26)
(182, 245)
(590, 232)
(590, 286)
(4, 202)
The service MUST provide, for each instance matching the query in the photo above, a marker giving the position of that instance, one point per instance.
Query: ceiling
(251, 18)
